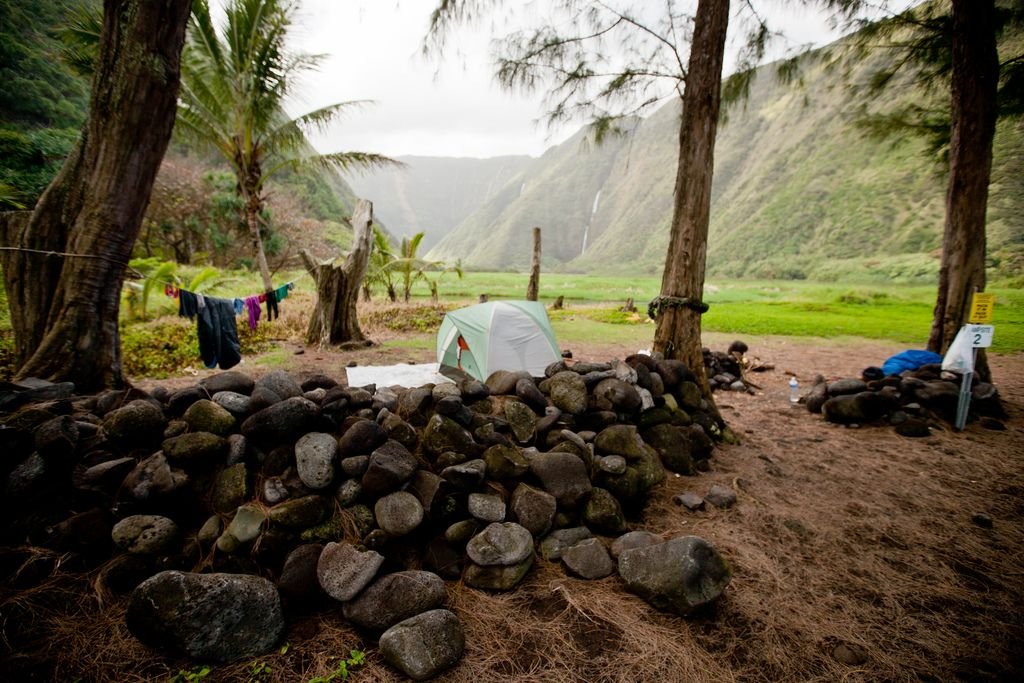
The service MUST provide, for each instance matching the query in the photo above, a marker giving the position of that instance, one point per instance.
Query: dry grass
(839, 536)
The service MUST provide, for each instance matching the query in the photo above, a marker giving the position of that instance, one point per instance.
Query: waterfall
(586, 229)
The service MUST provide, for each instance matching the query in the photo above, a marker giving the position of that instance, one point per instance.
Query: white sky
(449, 107)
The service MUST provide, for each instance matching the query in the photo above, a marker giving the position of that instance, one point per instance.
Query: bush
(169, 345)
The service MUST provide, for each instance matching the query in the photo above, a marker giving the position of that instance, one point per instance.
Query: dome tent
(497, 335)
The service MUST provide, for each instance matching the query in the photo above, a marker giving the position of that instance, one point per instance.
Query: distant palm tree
(379, 271)
(234, 86)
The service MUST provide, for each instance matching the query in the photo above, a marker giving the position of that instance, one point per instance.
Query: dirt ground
(855, 553)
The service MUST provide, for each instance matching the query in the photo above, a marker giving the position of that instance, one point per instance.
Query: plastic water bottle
(794, 391)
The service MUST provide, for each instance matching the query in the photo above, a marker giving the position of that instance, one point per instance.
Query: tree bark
(533, 287)
(334, 320)
(975, 80)
(678, 332)
(253, 209)
(64, 309)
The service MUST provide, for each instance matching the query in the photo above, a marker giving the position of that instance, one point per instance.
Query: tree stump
(334, 320)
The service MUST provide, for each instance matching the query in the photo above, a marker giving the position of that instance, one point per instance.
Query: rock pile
(913, 402)
(224, 506)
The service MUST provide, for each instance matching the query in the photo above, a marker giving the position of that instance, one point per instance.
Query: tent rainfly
(497, 335)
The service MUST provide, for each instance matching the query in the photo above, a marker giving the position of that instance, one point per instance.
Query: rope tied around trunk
(661, 302)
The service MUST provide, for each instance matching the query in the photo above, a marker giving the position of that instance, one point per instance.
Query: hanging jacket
(252, 305)
(218, 334)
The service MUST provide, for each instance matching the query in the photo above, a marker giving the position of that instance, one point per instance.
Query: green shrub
(169, 345)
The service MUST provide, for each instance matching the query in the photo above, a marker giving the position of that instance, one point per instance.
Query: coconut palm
(379, 271)
(234, 85)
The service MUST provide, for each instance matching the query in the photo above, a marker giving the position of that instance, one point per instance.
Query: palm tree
(234, 85)
(379, 272)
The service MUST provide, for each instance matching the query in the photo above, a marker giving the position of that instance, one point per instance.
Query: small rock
(555, 543)
(588, 559)
(145, 534)
(398, 513)
(206, 416)
(849, 654)
(487, 507)
(343, 571)
(677, 575)
(298, 581)
(425, 645)
(533, 509)
(721, 496)
(691, 501)
(982, 520)
(315, 459)
(394, 598)
(634, 539)
(500, 544)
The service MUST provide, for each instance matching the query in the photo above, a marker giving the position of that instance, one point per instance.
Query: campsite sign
(980, 335)
(981, 308)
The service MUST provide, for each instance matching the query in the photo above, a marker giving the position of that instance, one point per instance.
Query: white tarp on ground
(404, 375)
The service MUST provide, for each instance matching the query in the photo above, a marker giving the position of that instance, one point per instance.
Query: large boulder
(207, 617)
(394, 598)
(678, 575)
(423, 646)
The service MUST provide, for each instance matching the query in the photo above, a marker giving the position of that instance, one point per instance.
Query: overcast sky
(428, 106)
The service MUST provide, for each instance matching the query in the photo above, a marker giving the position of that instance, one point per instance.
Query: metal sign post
(980, 337)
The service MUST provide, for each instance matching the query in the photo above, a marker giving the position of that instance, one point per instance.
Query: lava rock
(395, 598)
(500, 544)
(315, 459)
(207, 617)
(398, 513)
(423, 646)
(588, 559)
(563, 475)
(533, 509)
(678, 575)
(206, 416)
(343, 571)
(145, 534)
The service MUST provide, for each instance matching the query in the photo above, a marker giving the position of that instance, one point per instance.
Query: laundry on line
(215, 320)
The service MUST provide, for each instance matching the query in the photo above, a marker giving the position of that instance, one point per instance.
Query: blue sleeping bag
(910, 359)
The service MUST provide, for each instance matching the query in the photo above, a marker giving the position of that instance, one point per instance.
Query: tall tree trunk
(975, 81)
(334, 321)
(64, 309)
(253, 209)
(533, 288)
(682, 284)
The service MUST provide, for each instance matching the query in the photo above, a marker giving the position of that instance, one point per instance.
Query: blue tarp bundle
(911, 359)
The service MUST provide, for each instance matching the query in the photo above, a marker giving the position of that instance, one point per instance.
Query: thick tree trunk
(975, 81)
(678, 331)
(335, 321)
(64, 309)
(532, 289)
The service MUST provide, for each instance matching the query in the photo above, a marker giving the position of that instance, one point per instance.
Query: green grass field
(900, 313)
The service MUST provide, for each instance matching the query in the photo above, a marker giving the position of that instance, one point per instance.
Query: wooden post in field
(534, 286)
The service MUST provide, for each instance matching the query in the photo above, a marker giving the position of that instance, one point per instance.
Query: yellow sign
(981, 307)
